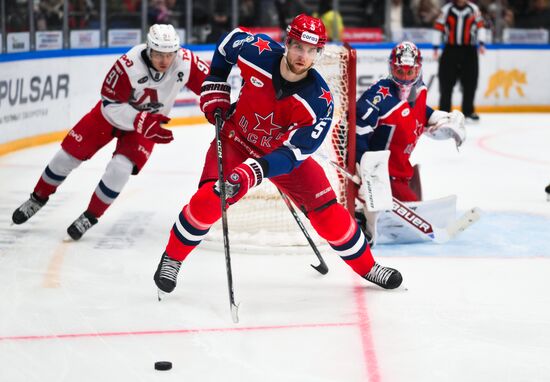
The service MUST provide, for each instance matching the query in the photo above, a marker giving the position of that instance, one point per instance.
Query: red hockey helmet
(405, 63)
(308, 29)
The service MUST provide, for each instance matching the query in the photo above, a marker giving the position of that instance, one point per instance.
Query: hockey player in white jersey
(137, 95)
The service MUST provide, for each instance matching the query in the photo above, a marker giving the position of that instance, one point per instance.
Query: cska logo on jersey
(262, 45)
(384, 91)
(266, 124)
(326, 96)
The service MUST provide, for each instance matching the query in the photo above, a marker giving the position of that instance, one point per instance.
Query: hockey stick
(322, 267)
(221, 180)
(420, 225)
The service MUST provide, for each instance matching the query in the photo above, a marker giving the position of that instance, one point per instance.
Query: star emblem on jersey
(384, 91)
(266, 124)
(326, 96)
(262, 45)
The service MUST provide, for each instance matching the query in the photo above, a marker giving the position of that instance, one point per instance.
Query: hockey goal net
(261, 220)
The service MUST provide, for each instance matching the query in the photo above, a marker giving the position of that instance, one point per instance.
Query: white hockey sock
(59, 168)
(114, 179)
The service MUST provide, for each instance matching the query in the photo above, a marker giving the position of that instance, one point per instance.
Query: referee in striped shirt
(461, 27)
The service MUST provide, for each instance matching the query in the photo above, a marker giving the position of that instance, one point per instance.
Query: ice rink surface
(474, 309)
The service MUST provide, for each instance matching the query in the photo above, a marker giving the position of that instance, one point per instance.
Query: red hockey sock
(97, 207)
(43, 189)
(336, 226)
(204, 206)
(193, 222)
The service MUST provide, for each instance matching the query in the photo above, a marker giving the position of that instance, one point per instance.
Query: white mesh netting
(261, 220)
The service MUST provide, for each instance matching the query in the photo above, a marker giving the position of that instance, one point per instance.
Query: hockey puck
(163, 365)
(547, 189)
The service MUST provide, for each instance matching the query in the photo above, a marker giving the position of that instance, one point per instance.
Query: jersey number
(203, 67)
(318, 129)
(366, 115)
(112, 78)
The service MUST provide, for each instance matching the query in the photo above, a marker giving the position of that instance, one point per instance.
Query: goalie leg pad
(336, 225)
(375, 180)
(194, 222)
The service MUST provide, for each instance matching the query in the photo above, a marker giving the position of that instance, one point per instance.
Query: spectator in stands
(83, 15)
(220, 21)
(401, 14)
(18, 16)
(123, 14)
(329, 18)
(374, 13)
(248, 13)
(537, 16)
(200, 18)
(160, 12)
(49, 15)
(425, 13)
(288, 9)
(493, 12)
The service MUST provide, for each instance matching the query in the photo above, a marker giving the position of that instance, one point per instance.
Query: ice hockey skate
(28, 209)
(166, 275)
(82, 224)
(385, 277)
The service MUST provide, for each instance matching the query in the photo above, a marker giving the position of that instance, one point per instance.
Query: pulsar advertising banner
(40, 96)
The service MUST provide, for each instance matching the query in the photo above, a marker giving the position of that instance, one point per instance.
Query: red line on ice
(365, 329)
(484, 144)
(174, 331)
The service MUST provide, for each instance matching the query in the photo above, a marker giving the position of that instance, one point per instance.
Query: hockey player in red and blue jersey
(280, 119)
(392, 115)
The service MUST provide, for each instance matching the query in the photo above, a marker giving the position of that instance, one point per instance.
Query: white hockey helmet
(162, 38)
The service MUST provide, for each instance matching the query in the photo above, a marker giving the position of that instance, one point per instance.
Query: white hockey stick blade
(235, 313)
(462, 223)
(68, 239)
(160, 294)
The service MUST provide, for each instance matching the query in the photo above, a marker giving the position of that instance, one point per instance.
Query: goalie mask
(405, 67)
(162, 38)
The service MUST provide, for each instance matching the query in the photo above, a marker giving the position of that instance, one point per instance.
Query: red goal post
(261, 220)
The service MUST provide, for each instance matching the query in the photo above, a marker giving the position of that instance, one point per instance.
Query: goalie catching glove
(443, 125)
(215, 94)
(243, 177)
(149, 125)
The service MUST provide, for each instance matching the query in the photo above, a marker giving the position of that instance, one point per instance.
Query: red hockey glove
(149, 125)
(215, 95)
(243, 177)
